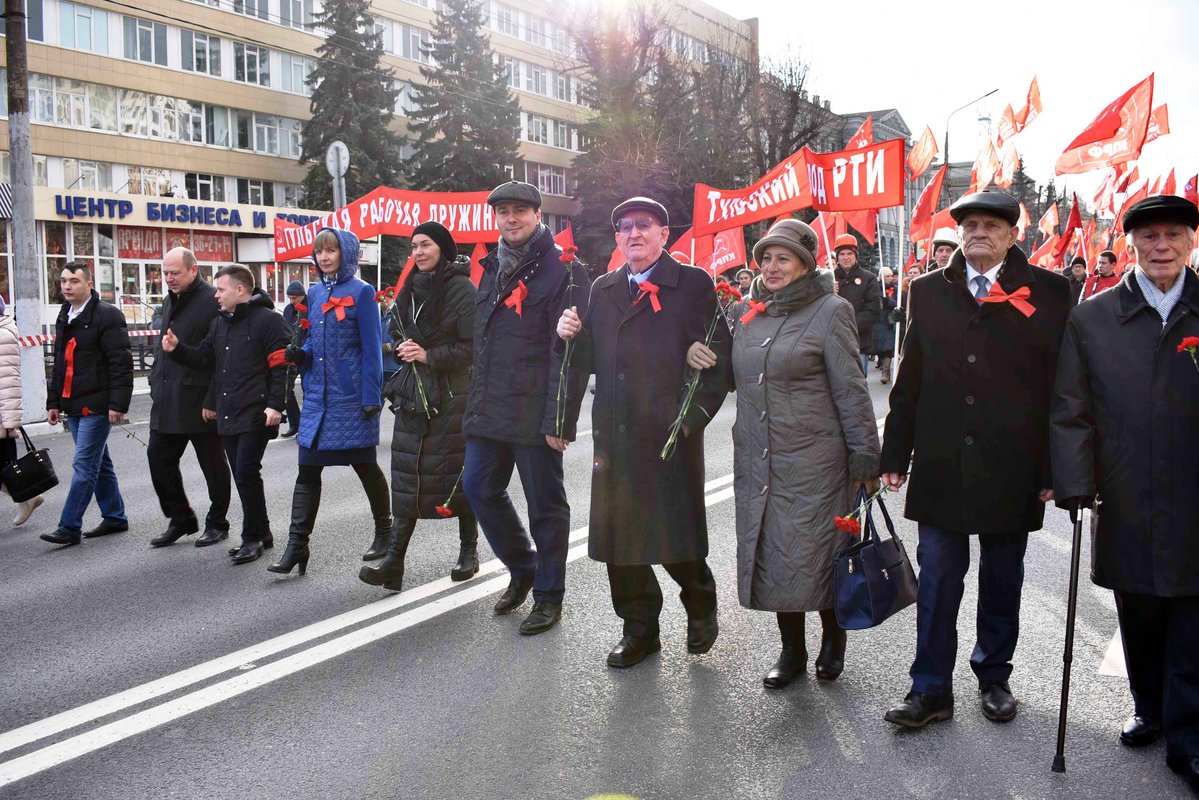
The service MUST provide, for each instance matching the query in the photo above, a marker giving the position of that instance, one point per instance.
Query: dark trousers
(944, 558)
(244, 451)
(164, 453)
(637, 597)
(293, 407)
(1161, 650)
(489, 465)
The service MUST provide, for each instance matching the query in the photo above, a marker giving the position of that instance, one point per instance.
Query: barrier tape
(38, 341)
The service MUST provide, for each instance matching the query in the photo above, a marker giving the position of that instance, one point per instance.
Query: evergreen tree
(353, 100)
(465, 120)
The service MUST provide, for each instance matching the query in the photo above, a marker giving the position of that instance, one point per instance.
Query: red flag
(985, 167)
(408, 265)
(728, 251)
(864, 136)
(1129, 179)
(922, 212)
(565, 238)
(911, 261)
(864, 222)
(1106, 195)
(1134, 197)
(1032, 106)
(1073, 223)
(1043, 255)
(1086, 241)
(1023, 222)
(1191, 190)
(922, 153)
(1159, 123)
(852, 180)
(1008, 164)
(616, 260)
(828, 226)
(1049, 220)
(699, 255)
(1115, 136)
(476, 263)
(1169, 186)
(1007, 126)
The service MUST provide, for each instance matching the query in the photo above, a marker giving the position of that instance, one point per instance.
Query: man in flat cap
(634, 335)
(521, 295)
(1124, 428)
(1078, 279)
(971, 399)
(945, 241)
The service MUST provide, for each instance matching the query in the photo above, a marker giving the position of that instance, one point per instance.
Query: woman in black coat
(432, 323)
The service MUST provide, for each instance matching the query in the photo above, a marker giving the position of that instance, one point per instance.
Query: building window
(548, 179)
(535, 30)
(95, 176)
(252, 8)
(562, 87)
(216, 125)
(251, 64)
(189, 122)
(201, 53)
(506, 20)
(146, 41)
(537, 129)
(386, 31)
(33, 21)
(289, 195)
(250, 192)
(535, 79)
(413, 44)
(202, 186)
(405, 98)
(511, 68)
(296, 13)
(562, 135)
(83, 27)
(296, 70)
(150, 180)
(560, 41)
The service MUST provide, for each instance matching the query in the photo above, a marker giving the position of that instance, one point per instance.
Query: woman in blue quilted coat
(341, 365)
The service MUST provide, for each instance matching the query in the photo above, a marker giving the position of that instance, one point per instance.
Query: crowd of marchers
(1016, 388)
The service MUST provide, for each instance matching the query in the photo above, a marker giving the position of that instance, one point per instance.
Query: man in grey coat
(1124, 426)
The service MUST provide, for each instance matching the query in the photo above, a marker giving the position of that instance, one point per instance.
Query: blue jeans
(485, 480)
(93, 474)
(865, 359)
(944, 558)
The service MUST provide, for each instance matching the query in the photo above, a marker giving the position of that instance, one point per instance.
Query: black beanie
(441, 237)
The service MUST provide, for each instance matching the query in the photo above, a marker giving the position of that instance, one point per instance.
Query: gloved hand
(295, 354)
(1075, 505)
(370, 411)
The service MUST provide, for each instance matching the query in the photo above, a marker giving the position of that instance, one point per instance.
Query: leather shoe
(212, 536)
(997, 702)
(249, 551)
(516, 593)
(543, 617)
(791, 664)
(105, 528)
(701, 634)
(268, 542)
(175, 531)
(1139, 731)
(60, 536)
(632, 650)
(921, 708)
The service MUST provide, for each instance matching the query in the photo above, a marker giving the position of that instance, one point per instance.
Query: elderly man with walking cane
(1124, 428)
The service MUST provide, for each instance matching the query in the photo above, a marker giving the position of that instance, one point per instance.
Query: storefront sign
(216, 247)
(139, 243)
(177, 238)
(143, 210)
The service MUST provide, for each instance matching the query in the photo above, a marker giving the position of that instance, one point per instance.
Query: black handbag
(30, 475)
(872, 578)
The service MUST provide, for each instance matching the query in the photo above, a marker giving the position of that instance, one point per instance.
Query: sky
(927, 57)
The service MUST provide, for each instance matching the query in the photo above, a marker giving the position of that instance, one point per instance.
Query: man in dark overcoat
(183, 410)
(634, 336)
(971, 399)
(860, 287)
(1124, 428)
(521, 294)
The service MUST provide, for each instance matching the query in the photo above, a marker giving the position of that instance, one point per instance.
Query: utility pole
(27, 277)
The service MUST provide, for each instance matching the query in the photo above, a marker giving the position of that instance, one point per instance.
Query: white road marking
(110, 733)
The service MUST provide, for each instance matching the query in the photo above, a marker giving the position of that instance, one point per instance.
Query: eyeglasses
(643, 224)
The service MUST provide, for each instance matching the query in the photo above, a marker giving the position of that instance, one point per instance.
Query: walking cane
(1059, 758)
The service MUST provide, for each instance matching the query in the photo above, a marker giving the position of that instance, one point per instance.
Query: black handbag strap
(29, 448)
(869, 530)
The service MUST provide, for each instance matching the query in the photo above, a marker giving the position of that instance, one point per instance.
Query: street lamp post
(956, 110)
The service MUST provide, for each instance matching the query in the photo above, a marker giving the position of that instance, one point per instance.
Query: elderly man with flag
(647, 505)
(1124, 427)
(971, 401)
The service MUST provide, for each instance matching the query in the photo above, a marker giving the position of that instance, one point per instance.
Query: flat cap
(793, 235)
(518, 192)
(647, 204)
(1162, 208)
(945, 236)
(1078, 260)
(990, 201)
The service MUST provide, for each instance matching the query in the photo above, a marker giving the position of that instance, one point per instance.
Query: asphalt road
(132, 672)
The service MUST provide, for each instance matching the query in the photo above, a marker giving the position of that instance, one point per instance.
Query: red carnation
(301, 308)
(442, 511)
(727, 293)
(305, 324)
(848, 524)
(568, 254)
(86, 411)
(1188, 346)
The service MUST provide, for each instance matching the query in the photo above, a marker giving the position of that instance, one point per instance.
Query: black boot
(305, 502)
(831, 661)
(389, 573)
(793, 660)
(468, 549)
(382, 534)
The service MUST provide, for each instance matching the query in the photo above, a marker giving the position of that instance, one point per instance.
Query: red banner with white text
(782, 190)
(868, 177)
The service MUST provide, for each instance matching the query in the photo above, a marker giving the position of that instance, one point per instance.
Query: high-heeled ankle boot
(389, 573)
(793, 660)
(468, 550)
(305, 501)
(831, 661)
(382, 535)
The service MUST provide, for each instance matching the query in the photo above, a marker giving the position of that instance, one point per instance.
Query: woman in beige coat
(805, 437)
(10, 403)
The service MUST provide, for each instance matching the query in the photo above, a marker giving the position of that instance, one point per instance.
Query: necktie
(982, 287)
(634, 289)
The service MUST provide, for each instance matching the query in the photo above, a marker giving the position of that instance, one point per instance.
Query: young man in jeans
(90, 389)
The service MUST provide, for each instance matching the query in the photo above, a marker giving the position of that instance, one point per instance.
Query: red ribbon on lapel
(1018, 298)
(69, 354)
(340, 304)
(755, 308)
(650, 289)
(516, 300)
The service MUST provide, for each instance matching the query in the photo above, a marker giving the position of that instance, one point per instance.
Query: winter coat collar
(350, 250)
(85, 316)
(259, 299)
(1130, 301)
(1016, 270)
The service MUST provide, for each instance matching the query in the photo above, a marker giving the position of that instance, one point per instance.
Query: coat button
(761, 377)
(621, 428)
(768, 340)
(969, 440)
(970, 359)
(765, 452)
(969, 399)
(762, 416)
(620, 376)
(765, 489)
